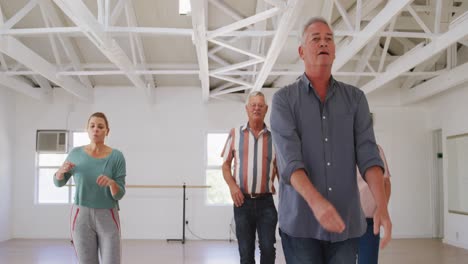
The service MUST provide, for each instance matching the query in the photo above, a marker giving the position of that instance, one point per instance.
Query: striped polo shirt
(254, 159)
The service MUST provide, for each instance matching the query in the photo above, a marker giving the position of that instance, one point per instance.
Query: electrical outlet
(456, 235)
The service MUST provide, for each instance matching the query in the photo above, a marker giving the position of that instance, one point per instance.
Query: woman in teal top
(99, 174)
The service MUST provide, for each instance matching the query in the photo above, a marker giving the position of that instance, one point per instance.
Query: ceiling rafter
(132, 21)
(418, 19)
(20, 85)
(418, 55)
(79, 13)
(258, 19)
(233, 14)
(288, 18)
(257, 44)
(436, 85)
(19, 15)
(392, 9)
(411, 80)
(391, 26)
(222, 31)
(2, 58)
(199, 9)
(67, 44)
(344, 14)
(18, 51)
(362, 63)
(117, 12)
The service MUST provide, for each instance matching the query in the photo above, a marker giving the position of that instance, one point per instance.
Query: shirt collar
(308, 86)
(246, 126)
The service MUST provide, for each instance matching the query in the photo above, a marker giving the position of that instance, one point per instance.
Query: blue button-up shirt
(327, 140)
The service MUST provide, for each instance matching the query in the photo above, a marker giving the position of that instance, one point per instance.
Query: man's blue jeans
(258, 214)
(369, 245)
(312, 251)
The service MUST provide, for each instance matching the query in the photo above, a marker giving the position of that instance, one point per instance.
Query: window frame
(208, 167)
(38, 167)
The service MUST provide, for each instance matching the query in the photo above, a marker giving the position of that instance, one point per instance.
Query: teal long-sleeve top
(85, 173)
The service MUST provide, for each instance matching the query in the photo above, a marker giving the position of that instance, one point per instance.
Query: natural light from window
(47, 164)
(219, 193)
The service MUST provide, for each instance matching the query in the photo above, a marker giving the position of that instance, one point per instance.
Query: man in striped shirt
(251, 184)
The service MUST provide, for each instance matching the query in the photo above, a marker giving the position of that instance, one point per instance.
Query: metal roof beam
(18, 51)
(436, 85)
(199, 9)
(79, 13)
(419, 55)
(391, 10)
(287, 22)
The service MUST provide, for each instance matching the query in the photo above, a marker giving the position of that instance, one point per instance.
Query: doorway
(437, 185)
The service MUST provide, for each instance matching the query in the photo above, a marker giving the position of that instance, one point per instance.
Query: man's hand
(237, 195)
(66, 167)
(375, 180)
(327, 216)
(323, 210)
(381, 218)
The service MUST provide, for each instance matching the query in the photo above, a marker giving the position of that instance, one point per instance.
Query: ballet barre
(184, 187)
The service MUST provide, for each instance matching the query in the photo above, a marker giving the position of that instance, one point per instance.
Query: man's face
(256, 108)
(318, 47)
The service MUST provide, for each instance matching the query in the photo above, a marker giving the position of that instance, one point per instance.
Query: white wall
(449, 112)
(164, 144)
(404, 135)
(7, 128)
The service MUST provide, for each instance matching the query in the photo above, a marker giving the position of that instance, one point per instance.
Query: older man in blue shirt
(322, 129)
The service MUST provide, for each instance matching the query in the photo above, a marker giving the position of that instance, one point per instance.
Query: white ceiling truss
(240, 47)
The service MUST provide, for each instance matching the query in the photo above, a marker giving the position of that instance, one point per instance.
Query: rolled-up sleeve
(285, 137)
(227, 153)
(367, 152)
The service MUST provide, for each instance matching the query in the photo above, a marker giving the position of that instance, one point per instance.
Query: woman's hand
(104, 181)
(66, 167)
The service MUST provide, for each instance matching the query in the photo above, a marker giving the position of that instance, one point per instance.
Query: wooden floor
(29, 251)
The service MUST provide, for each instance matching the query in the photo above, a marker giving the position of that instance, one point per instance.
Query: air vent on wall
(52, 141)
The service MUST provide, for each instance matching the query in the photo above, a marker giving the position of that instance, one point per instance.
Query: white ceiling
(228, 46)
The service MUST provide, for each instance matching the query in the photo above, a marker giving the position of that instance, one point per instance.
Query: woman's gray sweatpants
(96, 233)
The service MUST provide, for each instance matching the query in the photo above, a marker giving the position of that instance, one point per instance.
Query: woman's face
(97, 129)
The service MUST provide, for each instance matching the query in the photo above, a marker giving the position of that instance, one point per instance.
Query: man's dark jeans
(369, 245)
(312, 251)
(256, 214)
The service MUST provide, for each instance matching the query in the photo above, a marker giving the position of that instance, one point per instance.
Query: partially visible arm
(375, 180)
(323, 210)
(63, 174)
(388, 188)
(117, 183)
(371, 166)
(387, 183)
(227, 154)
(236, 193)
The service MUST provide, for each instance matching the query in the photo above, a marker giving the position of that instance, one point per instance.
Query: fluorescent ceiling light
(184, 7)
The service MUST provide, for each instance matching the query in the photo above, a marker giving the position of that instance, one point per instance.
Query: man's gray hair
(252, 94)
(311, 21)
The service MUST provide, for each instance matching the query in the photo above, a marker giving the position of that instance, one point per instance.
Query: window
(219, 193)
(47, 164)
